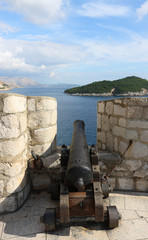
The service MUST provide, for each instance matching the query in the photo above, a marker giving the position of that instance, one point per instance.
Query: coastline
(142, 93)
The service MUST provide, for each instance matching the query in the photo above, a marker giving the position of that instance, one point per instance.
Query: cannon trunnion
(82, 188)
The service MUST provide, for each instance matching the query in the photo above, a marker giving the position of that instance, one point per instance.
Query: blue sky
(73, 41)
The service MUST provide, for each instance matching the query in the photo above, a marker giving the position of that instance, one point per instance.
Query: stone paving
(25, 223)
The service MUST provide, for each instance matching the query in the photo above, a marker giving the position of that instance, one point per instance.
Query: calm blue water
(70, 108)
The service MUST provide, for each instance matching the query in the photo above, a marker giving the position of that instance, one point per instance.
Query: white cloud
(6, 28)
(43, 67)
(37, 11)
(142, 11)
(52, 74)
(101, 9)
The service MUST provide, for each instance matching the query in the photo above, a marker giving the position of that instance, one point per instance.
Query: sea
(70, 108)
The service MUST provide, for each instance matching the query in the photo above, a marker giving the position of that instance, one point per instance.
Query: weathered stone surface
(102, 137)
(119, 131)
(109, 108)
(131, 135)
(144, 136)
(122, 122)
(16, 183)
(116, 144)
(110, 142)
(136, 101)
(137, 124)
(11, 169)
(129, 165)
(105, 123)
(12, 147)
(142, 172)
(99, 121)
(119, 111)
(54, 117)
(125, 184)
(23, 121)
(118, 101)
(39, 119)
(134, 112)
(101, 106)
(1, 188)
(141, 185)
(122, 147)
(1, 105)
(46, 104)
(137, 150)
(8, 204)
(103, 146)
(31, 105)
(145, 113)
(41, 149)
(9, 126)
(44, 135)
(14, 104)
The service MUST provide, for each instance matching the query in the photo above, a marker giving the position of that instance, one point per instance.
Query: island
(128, 86)
(4, 86)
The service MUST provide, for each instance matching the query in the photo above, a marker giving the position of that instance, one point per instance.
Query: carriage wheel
(113, 217)
(49, 219)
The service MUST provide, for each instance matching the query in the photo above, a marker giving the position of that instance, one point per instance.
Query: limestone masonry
(26, 123)
(122, 127)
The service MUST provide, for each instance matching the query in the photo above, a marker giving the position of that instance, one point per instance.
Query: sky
(73, 41)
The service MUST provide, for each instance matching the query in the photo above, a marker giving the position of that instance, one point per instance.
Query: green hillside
(120, 86)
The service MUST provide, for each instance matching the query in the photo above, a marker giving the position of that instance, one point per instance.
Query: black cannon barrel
(79, 171)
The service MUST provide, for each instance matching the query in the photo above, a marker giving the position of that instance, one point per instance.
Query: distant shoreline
(109, 94)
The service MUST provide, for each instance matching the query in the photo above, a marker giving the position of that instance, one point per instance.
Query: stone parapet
(26, 123)
(122, 127)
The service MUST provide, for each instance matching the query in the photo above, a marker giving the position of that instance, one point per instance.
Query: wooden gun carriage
(82, 188)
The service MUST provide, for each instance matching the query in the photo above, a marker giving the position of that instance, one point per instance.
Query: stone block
(101, 106)
(137, 124)
(132, 165)
(134, 112)
(119, 111)
(118, 101)
(144, 136)
(99, 121)
(119, 131)
(31, 104)
(109, 108)
(41, 149)
(1, 188)
(131, 135)
(9, 126)
(125, 184)
(39, 119)
(1, 105)
(141, 185)
(54, 117)
(137, 150)
(115, 144)
(122, 122)
(12, 147)
(142, 172)
(112, 182)
(17, 183)
(137, 101)
(14, 104)
(110, 142)
(11, 169)
(46, 104)
(122, 147)
(44, 135)
(23, 121)
(103, 146)
(105, 123)
(102, 137)
(145, 113)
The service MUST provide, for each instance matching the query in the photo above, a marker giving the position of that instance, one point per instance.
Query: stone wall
(26, 123)
(122, 127)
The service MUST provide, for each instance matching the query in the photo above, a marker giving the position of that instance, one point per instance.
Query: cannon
(82, 188)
